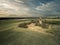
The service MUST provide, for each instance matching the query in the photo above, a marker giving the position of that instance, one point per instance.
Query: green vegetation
(12, 34)
(52, 21)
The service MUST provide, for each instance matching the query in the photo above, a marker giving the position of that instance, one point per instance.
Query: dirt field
(11, 34)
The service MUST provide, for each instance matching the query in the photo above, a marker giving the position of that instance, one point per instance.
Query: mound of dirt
(36, 28)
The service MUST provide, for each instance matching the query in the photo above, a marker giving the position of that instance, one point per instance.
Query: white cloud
(13, 8)
(46, 7)
(8, 6)
(51, 8)
(19, 1)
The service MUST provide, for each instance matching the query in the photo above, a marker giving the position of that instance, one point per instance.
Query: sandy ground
(32, 27)
(33, 35)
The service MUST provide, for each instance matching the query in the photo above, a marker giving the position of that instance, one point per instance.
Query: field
(12, 34)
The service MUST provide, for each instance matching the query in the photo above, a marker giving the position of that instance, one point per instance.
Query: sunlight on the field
(34, 35)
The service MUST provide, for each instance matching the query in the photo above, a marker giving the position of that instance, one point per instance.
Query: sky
(35, 8)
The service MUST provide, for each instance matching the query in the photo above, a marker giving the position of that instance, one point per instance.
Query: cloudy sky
(29, 7)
